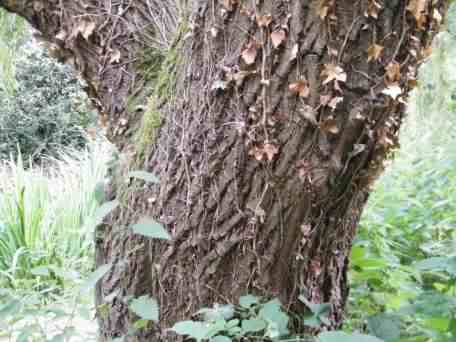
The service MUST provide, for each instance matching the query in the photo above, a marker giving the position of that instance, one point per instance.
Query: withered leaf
(329, 126)
(393, 72)
(333, 72)
(300, 87)
(264, 20)
(374, 52)
(250, 53)
(277, 37)
(418, 10)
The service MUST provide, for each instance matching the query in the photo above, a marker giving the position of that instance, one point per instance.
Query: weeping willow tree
(12, 33)
(267, 123)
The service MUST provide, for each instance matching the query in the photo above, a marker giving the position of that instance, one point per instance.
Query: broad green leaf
(145, 307)
(94, 277)
(150, 228)
(196, 330)
(339, 336)
(384, 326)
(145, 176)
(253, 325)
(276, 318)
(248, 301)
(104, 210)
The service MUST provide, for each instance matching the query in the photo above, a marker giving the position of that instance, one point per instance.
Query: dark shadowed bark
(267, 123)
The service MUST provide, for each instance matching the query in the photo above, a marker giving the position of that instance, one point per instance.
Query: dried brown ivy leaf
(329, 126)
(250, 52)
(333, 72)
(393, 72)
(85, 28)
(374, 52)
(418, 10)
(373, 9)
(264, 20)
(278, 37)
(300, 87)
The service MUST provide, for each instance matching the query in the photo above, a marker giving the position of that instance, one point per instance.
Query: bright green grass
(43, 211)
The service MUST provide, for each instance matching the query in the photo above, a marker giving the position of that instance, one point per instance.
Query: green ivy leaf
(196, 330)
(145, 307)
(150, 228)
(277, 320)
(253, 325)
(145, 176)
(248, 301)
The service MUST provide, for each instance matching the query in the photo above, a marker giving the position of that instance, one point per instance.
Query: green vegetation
(49, 109)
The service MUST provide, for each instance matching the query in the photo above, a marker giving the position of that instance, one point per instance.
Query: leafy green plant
(43, 214)
(49, 112)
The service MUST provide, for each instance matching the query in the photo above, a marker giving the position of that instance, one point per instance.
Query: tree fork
(283, 114)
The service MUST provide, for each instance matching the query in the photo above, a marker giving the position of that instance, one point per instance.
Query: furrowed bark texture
(282, 114)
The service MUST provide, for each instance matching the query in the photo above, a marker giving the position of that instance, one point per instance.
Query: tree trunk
(267, 123)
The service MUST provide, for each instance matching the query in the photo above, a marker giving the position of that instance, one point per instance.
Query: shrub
(48, 110)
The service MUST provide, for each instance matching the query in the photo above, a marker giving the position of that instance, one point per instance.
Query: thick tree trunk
(267, 123)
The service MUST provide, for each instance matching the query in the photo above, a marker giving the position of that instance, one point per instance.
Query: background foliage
(47, 111)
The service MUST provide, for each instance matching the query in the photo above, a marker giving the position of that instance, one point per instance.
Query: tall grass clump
(43, 211)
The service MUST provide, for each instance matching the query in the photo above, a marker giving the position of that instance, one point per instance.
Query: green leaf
(145, 176)
(150, 228)
(339, 336)
(218, 312)
(277, 320)
(253, 325)
(384, 326)
(248, 301)
(99, 192)
(221, 339)
(145, 307)
(196, 330)
(94, 277)
(11, 308)
(40, 271)
(104, 210)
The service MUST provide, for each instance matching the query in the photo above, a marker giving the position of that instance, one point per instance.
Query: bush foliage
(48, 109)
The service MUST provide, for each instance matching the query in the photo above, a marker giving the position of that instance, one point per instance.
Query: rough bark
(265, 165)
